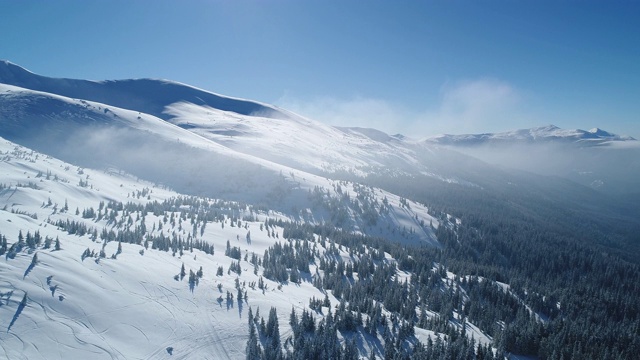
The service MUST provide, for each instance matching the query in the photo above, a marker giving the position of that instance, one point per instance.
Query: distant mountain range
(543, 134)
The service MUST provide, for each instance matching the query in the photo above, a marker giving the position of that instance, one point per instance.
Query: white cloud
(474, 106)
(355, 112)
(463, 107)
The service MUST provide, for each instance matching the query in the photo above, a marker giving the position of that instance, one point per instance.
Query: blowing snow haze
(154, 213)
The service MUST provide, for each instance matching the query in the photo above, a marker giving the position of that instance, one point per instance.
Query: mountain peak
(549, 127)
(600, 132)
(12, 72)
(4, 62)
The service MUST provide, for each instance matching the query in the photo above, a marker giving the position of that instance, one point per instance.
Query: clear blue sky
(416, 67)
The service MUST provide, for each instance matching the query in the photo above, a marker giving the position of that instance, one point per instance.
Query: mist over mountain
(596, 158)
(351, 242)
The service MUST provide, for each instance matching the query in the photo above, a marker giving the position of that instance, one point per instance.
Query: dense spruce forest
(574, 269)
(564, 302)
(532, 290)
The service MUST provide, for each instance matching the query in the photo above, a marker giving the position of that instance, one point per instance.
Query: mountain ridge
(127, 94)
(132, 94)
(281, 137)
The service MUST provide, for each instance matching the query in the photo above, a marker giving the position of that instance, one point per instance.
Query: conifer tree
(273, 350)
(252, 349)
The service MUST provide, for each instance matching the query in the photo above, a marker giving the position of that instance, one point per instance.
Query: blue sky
(415, 67)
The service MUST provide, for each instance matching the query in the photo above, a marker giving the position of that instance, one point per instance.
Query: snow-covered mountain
(244, 126)
(543, 134)
(97, 135)
(247, 126)
(112, 158)
(124, 299)
(250, 129)
(149, 96)
(147, 219)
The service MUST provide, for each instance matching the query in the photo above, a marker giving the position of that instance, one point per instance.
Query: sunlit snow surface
(203, 163)
(130, 307)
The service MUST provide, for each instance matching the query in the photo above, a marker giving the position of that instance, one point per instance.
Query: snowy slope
(295, 142)
(131, 305)
(249, 127)
(101, 136)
